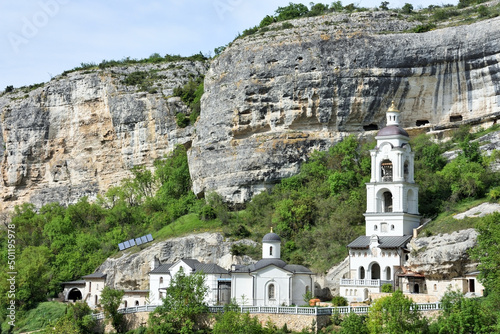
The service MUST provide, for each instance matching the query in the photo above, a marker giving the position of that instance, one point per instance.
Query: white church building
(270, 281)
(217, 280)
(391, 216)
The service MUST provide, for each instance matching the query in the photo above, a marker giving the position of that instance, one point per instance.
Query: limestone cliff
(82, 132)
(443, 256)
(272, 98)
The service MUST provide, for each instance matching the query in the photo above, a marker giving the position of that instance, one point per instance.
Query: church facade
(270, 281)
(391, 216)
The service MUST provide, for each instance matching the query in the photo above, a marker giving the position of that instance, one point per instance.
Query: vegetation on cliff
(316, 212)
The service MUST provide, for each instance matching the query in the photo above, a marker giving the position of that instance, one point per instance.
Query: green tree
(354, 323)
(463, 315)
(384, 5)
(487, 253)
(407, 8)
(394, 315)
(292, 11)
(110, 302)
(232, 321)
(78, 319)
(33, 276)
(183, 302)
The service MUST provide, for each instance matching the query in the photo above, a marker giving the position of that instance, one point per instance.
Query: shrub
(9, 89)
(339, 301)
(266, 21)
(494, 194)
(424, 28)
(387, 288)
(483, 11)
(207, 213)
(181, 120)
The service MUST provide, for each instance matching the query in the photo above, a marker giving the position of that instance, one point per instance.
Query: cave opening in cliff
(421, 122)
(455, 118)
(370, 127)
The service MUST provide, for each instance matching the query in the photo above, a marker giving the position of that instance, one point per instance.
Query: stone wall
(293, 322)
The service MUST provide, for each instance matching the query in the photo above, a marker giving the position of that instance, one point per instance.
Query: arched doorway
(416, 288)
(375, 270)
(74, 294)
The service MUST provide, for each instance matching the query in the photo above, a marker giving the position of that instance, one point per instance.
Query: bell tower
(392, 195)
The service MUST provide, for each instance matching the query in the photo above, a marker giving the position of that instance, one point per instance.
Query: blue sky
(42, 38)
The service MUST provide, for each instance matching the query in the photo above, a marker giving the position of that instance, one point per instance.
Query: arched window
(136, 303)
(95, 300)
(90, 286)
(406, 171)
(361, 273)
(125, 304)
(161, 280)
(386, 170)
(411, 202)
(271, 250)
(387, 201)
(270, 291)
(388, 273)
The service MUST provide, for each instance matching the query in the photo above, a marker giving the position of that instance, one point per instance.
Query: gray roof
(384, 242)
(392, 130)
(78, 282)
(271, 237)
(162, 269)
(210, 268)
(195, 265)
(95, 275)
(294, 268)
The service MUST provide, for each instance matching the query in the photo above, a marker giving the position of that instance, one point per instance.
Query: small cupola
(392, 115)
(392, 127)
(271, 246)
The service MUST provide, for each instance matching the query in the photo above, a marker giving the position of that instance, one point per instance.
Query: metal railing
(281, 309)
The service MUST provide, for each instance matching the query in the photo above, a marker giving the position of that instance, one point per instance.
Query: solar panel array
(137, 241)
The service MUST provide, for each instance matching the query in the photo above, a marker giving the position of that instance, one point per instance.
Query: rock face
(82, 132)
(272, 98)
(443, 256)
(130, 271)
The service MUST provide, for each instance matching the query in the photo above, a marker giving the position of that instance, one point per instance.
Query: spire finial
(393, 108)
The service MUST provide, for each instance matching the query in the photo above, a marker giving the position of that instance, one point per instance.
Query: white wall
(299, 284)
(93, 288)
(242, 288)
(155, 286)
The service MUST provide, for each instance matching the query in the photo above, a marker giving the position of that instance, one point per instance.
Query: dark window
(455, 118)
(387, 201)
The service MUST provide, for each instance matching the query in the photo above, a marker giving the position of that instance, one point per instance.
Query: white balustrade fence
(281, 309)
